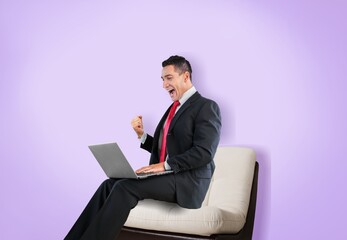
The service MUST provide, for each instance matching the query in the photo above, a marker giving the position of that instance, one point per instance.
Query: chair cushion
(225, 206)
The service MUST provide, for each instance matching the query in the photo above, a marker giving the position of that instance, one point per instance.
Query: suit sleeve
(148, 144)
(205, 140)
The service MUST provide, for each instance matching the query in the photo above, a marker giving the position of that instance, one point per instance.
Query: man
(185, 141)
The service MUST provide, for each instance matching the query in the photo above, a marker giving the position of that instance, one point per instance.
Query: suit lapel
(180, 111)
(160, 127)
(184, 107)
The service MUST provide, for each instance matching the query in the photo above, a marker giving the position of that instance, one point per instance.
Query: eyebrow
(167, 75)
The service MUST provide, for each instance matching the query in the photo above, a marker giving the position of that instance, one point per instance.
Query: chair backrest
(232, 180)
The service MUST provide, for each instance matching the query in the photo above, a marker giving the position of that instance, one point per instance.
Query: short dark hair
(180, 63)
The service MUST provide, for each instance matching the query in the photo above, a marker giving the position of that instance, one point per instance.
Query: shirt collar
(190, 92)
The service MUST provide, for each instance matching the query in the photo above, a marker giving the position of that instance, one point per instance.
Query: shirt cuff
(143, 138)
(167, 166)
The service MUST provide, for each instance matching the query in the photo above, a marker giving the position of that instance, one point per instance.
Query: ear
(186, 76)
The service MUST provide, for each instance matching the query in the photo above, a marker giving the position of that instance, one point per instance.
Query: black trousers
(108, 209)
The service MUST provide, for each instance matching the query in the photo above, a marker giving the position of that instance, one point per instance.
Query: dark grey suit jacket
(192, 141)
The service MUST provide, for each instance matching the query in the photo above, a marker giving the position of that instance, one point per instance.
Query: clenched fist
(137, 125)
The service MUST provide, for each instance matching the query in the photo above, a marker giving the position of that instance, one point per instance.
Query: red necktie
(166, 128)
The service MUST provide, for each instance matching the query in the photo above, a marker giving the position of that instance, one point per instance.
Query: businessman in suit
(184, 141)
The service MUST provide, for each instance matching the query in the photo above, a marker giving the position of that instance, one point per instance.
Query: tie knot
(174, 106)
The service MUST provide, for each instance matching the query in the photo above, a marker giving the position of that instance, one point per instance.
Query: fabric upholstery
(225, 206)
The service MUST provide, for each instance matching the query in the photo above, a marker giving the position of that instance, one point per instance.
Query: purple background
(74, 73)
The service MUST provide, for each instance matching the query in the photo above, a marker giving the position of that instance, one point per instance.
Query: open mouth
(171, 92)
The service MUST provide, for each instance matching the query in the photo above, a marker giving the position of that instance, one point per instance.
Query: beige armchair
(227, 212)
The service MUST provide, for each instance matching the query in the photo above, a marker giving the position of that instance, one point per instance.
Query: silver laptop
(115, 164)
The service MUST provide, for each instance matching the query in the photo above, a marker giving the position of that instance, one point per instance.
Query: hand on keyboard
(154, 168)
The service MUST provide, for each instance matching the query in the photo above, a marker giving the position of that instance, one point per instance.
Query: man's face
(175, 83)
